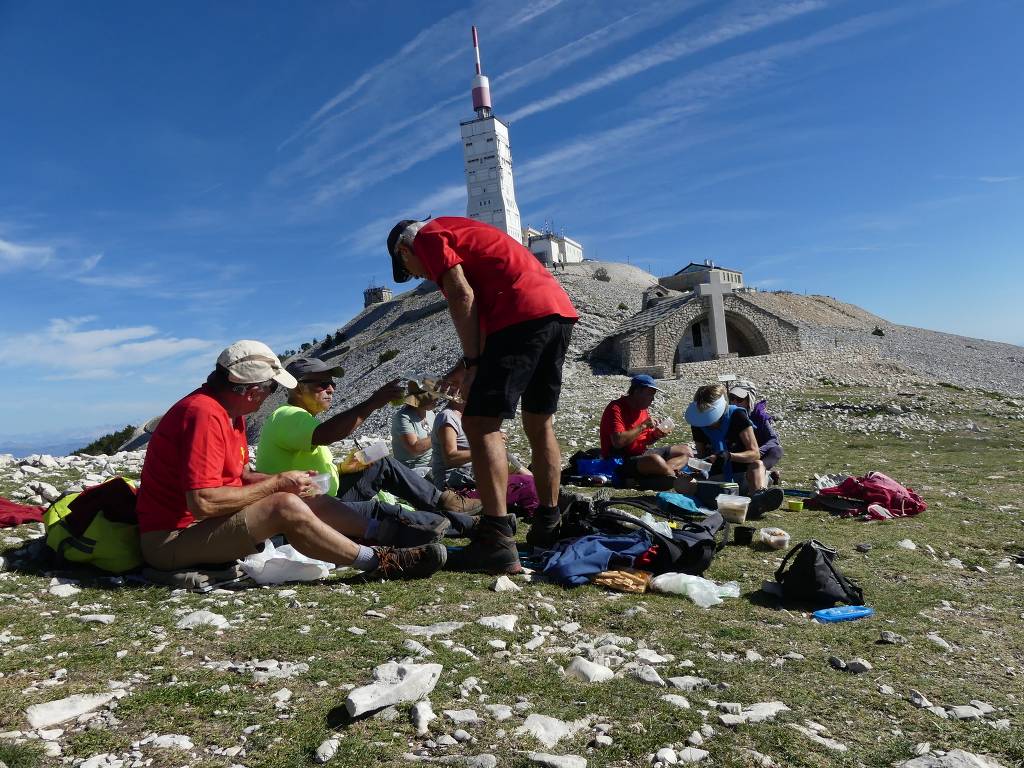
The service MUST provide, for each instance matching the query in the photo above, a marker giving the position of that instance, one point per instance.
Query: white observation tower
(488, 160)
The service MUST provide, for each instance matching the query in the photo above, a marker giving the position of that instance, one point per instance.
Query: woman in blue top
(724, 435)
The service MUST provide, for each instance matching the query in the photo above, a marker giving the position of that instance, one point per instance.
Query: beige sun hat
(252, 362)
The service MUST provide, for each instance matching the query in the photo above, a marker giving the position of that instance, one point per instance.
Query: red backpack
(877, 488)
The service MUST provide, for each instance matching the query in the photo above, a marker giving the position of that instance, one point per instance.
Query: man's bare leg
(490, 462)
(652, 465)
(546, 455)
(286, 513)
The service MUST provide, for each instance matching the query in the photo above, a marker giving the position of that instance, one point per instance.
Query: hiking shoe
(410, 529)
(493, 548)
(450, 501)
(764, 501)
(408, 562)
(544, 529)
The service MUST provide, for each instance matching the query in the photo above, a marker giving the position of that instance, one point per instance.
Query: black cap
(398, 270)
(304, 366)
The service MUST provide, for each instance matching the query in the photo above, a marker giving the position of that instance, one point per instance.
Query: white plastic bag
(661, 526)
(703, 592)
(276, 565)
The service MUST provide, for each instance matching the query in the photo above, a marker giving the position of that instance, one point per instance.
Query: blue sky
(174, 176)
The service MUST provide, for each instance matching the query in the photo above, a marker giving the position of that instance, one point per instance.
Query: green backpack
(96, 527)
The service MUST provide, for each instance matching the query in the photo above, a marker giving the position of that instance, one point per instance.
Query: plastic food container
(323, 482)
(795, 505)
(699, 464)
(776, 538)
(733, 508)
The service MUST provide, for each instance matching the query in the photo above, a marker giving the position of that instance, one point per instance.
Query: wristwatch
(469, 362)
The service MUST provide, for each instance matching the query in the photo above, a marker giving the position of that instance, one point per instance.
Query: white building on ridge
(551, 249)
(488, 161)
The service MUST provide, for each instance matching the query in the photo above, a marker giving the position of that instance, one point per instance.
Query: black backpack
(690, 549)
(812, 578)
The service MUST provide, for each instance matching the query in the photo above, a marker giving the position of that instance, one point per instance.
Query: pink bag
(520, 496)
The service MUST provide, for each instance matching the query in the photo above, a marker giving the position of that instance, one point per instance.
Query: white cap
(252, 362)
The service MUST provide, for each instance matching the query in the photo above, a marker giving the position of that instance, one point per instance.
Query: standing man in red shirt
(628, 431)
(199, 503)
(514, 321)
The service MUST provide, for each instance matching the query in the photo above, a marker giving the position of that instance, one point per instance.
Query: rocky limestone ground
(469, 670)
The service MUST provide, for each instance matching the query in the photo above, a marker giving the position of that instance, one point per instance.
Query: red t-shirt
(195, 446)
(510, 284)
(619, 417)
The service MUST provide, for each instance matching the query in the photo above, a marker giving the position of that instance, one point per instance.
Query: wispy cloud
(684, 43)
(67, 349)
(371, 237)
(23, 256)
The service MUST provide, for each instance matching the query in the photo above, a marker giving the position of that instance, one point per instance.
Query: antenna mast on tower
(481, 85)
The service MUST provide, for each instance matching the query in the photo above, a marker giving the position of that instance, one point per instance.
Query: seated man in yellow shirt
(293, 438)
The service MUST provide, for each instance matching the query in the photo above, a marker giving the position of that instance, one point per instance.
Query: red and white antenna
(481, 85)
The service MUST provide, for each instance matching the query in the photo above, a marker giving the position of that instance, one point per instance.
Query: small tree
(602, 274)
(390, 354)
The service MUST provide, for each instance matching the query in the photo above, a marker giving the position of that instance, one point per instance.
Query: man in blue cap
(629, 432)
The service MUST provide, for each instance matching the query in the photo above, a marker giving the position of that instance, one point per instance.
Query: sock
(544, 511)
(372, 526)
(366, 560)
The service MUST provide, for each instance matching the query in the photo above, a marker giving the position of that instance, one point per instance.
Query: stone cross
(716, 288)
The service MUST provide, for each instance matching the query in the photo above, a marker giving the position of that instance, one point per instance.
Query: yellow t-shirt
(286, 443)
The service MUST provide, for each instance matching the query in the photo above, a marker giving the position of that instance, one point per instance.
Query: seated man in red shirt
(514, 321)
(628, 431)
(199, 504)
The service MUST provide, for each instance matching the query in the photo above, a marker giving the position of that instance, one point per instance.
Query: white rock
(648, 674)
(955, 758)
(357, 631)
(763, 711)
(441, 628)
(550, 730)
(667, 756)
(647, 656)
(499, 711)
(691, 755)
(328, 750)
(858, 666)
(505, 621)
(202, 619)
(172, 741)
(688, 682)
(63, 588)
(97, 618)
(418, 648)
(422, 714)
(938, 641)
(919, 700)
(505, 584)
(676, 700)
(556, 761)
(393, 683)
(906, 544)
(824, 741)
(463, 716)
(965, 712)
(588, 671)
(60, 711)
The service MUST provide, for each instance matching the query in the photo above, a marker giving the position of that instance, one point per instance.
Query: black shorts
(521, 361)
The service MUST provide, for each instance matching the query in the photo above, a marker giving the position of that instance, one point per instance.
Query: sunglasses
(269, 387)
(318, 384)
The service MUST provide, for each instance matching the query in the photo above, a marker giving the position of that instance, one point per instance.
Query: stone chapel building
(675, 325)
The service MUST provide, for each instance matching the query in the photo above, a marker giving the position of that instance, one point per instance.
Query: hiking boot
(410, 529)
(764, 501)
(408, 562)
(450, 501)
(544, 528)
(493, 548)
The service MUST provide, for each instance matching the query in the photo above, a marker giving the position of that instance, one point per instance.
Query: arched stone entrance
(745, 340)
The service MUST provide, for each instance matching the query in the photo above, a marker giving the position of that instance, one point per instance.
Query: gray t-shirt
(407, 422)
(446, 418)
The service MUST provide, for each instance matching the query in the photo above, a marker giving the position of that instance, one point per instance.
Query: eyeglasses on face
(268, 387)
(318, 384)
